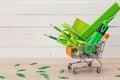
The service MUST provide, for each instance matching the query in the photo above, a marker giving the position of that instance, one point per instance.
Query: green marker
(96, 37)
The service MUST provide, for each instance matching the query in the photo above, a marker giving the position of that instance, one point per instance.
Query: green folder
(79, 26)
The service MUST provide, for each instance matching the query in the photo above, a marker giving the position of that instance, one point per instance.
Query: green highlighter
(96, 37)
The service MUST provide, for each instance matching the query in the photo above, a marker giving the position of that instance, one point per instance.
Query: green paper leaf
(45, 76)
(118, 75)
(118, 68)
(17, 65)
(44, 67)
(41, 71)
(21, 70)
(20, 75)
(34, 63)
(63, 77)
(62, 71)
(2, 77)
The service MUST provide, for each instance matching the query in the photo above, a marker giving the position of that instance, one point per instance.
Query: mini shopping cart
(87, 59)
(86, 42)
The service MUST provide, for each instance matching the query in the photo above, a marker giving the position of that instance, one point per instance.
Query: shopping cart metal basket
(87, 59)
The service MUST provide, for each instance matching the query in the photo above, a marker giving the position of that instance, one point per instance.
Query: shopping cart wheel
(69, 66)
(90, 64)
(98, 69)
(75, 71)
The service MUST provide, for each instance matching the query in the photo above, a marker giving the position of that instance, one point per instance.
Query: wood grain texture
(23, 23)
(54, 7)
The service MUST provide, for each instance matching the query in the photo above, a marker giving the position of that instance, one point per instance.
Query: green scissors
(67, 40)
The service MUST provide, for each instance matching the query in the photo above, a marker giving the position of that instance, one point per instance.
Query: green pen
(55, 27)
(52, 37)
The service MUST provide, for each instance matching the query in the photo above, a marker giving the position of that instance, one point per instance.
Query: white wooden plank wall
(23, 23)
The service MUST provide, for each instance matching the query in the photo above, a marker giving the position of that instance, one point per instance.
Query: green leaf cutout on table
(41, 71)
(2, 77)
(63, 77)
(20, 75)
(45, 76)
(118, 68)
(34, 63)
(16, 65)
(21, 70)
(44, 67)
(62, 71)
(118, 75)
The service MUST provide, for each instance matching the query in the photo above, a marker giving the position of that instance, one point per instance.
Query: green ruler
(107, 15)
